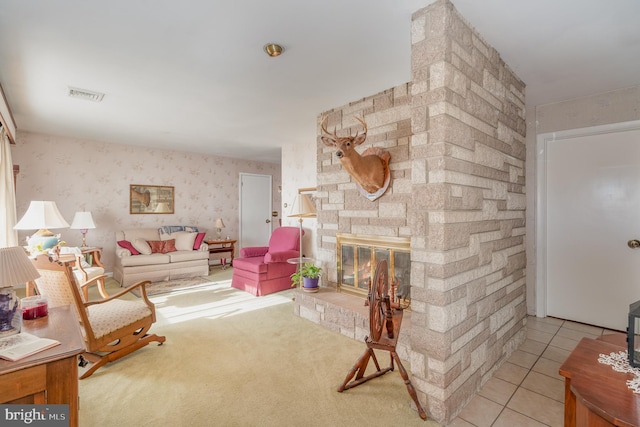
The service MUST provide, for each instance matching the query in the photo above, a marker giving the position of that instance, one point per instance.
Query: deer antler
(364, 124)
(324, 128)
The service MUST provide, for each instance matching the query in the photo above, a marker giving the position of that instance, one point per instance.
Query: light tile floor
(528, 391)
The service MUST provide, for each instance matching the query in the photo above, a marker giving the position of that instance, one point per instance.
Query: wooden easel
(381, 317)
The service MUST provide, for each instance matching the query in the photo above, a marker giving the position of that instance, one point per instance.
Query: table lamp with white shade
(219, 226)
(15, 269)
(83, 221)
(42, 215)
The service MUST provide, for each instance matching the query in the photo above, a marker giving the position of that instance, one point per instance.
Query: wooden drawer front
(25, 382)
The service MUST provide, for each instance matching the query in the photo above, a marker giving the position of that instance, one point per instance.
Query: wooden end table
(92, 255)
(222, 246)
(49, 376)
(595, 394)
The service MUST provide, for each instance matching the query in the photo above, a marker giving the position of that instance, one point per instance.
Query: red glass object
(34, 312)
(34, 307)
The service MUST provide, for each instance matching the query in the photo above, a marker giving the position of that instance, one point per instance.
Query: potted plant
(309, 274)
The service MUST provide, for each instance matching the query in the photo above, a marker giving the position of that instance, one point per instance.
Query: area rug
(157, 288)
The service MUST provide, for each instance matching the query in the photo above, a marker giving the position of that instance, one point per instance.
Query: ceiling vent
(87, 95)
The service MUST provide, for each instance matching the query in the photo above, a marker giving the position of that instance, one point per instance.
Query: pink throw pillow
(198, 241)
(127, 245)
(162, 246)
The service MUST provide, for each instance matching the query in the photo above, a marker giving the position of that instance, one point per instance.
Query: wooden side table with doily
(595, 394)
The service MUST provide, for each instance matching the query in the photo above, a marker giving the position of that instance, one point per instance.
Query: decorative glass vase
(10, 314)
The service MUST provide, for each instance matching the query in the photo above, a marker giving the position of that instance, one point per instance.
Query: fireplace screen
(357, 257)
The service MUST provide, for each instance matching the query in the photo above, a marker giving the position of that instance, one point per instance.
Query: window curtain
(8, 217)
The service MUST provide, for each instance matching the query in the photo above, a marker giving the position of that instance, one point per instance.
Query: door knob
(268, 221)
(634, 244)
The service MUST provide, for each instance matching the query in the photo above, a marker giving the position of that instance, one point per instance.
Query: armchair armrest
(122, 252)
(78, 265)
(254, 251)
(281, 256)
(96, 280)
(143, 290)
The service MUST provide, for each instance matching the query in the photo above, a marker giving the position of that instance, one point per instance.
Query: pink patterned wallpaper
(95, 176)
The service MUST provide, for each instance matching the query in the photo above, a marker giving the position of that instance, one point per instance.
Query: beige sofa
(158, 258)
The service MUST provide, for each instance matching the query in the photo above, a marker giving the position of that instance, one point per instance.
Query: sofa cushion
(198, 241)
(127, 245)
(162, 246)
(281, 256)
(142, 246)
(285, 239)
(152, 259)
(254, 265)
(189, 255)
(254, 251)
(184, 239)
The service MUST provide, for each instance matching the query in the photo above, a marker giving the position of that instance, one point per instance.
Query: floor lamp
(302, 207)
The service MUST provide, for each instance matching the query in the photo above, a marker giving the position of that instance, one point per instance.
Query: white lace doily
(619, 362)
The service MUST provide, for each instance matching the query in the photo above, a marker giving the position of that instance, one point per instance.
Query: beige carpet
(232, 359)
(163, 287)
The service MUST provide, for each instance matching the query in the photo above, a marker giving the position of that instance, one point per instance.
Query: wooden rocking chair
(381, 317)
(112, 327)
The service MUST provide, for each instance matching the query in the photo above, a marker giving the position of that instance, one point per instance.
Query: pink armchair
(263, 270)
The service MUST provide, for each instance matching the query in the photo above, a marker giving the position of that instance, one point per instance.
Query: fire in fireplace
(359, 254)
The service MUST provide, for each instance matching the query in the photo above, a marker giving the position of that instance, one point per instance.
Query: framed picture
(151, 199)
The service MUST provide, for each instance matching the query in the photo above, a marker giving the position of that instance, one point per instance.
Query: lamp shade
(303, 207)
(219, 223)
(41, 214)
(82, 221)
(15, 267)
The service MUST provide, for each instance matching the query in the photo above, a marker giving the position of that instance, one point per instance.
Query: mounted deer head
(369, 170)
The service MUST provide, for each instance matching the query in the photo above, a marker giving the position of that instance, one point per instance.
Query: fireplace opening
(359, 254)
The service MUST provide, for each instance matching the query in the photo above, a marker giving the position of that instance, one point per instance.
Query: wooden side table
(222, 246)
(92, 255)
(595, 394)
(50, 376)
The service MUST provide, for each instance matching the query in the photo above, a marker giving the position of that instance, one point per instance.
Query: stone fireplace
(456, 136)
(358, 256)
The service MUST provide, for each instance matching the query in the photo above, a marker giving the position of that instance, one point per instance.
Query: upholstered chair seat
(114, 315)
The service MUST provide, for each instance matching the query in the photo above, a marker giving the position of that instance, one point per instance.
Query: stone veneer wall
(456, 134)
(467, 215)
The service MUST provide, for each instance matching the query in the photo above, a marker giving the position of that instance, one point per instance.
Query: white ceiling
(192, 76)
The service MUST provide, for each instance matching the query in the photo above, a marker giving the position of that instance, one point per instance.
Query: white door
(592, 211)
(255, 209)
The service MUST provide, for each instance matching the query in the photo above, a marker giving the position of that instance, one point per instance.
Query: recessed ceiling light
(273, 49)
(87, 95)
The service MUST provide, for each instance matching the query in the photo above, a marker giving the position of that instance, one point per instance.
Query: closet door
(592, 211)
(255, 210)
